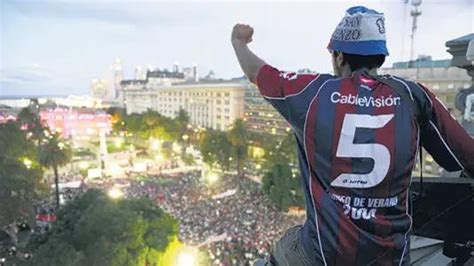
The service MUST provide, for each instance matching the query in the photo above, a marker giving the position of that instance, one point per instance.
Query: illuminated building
(67, 101)
(260, 116)
(76, 123)
(140, 72)
(211, 104)
(99, 88)
(117, 77)
(7, 114)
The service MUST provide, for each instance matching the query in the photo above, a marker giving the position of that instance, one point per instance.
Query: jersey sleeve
(277, 86)
(445, 139)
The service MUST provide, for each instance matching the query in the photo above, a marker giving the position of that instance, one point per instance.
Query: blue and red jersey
(357, 144)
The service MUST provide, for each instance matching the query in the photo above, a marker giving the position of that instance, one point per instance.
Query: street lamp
(61, 145)
(27, 162)
(118, 142)
(155, 144)
(212, 177)
(115, 193)
(188, 256)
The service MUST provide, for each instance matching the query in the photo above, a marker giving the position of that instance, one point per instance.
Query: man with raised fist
(357, 136)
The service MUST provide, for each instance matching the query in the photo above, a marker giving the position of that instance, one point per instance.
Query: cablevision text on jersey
(364, 101)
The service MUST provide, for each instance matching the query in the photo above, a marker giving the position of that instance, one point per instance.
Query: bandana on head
(361, 32)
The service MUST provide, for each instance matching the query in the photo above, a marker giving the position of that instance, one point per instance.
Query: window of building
(227, 102)
(227, 94)
(226, 110)
(218, 101)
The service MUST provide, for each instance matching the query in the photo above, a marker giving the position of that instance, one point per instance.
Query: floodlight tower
(415, 13)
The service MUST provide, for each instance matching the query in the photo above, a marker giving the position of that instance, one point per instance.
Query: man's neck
(347, 72)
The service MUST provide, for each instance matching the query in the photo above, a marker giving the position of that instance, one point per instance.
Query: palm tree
(238, 137)
(54, 153)
(29, 117)
(150, 130)
(182, 121)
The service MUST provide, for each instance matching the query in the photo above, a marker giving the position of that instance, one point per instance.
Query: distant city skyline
(58, 47)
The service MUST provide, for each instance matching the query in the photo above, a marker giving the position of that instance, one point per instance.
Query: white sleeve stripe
(437, 130)
(427, 96)
(406, 86)
(294, 94)
(434, 126)
(446, 145)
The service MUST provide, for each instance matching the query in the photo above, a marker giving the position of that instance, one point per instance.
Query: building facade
(75, 101)
(210, 104)
(99, 88)
(260, 116)
(76, 123)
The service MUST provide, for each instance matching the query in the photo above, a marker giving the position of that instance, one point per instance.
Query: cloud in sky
(27, 74)
(75, 41)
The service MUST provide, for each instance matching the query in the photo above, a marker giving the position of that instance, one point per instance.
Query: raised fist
(242, 33)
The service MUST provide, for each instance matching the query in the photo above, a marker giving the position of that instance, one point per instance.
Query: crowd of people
(230, 219)
(234, 229)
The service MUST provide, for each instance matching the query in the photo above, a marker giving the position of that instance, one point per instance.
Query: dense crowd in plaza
(230, 219)
(234, 229)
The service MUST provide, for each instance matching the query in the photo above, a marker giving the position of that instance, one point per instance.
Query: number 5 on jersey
(348, 149)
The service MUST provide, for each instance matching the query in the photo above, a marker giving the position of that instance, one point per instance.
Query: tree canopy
(95, 230)
(239, 138)
(215, 148)
(20, 176)
(280, 181)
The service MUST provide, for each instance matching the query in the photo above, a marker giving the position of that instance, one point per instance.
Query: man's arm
(446, 140)
(249, 62)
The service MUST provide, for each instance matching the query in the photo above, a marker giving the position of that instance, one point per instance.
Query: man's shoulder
(417, 91)
(319, 78)
(405, 81)
(412, 86)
